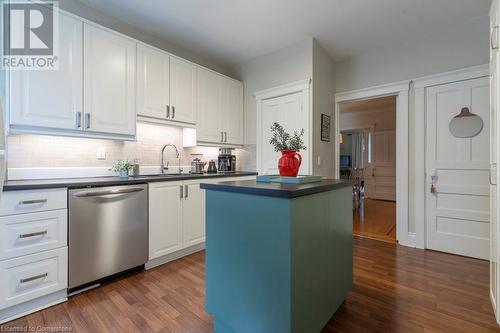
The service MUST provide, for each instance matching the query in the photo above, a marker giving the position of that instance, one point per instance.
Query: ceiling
(234, 31)
(375, 104)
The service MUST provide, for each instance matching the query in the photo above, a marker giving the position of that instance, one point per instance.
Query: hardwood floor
(375, 219)
(396, 289)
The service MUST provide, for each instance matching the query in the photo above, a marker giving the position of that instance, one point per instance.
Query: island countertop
(276, 189)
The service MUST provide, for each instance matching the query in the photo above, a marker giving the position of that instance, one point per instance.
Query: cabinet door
(165, 218)
(182, 91)
(208, 127)
(193, 213)
(51, 98)
(152, 82)
(109, 81)
(232, 111)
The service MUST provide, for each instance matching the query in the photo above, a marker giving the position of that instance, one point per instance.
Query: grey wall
(283, 66)
(91, 14)
(462, 45)
(323, 89)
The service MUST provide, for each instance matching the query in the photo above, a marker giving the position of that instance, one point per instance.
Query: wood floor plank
(396, 289)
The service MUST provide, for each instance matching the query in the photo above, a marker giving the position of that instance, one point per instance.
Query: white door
(51, 98)
(287, 111)
(193, 213)
(153, 88)
(208, 125)
(458, 203)
(182, 91)
(109, 81)
(380, 174)
(232, 111)
(165, 218)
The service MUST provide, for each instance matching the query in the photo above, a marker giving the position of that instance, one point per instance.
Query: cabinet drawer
(25, 234)
(18, 202)
(26, 278)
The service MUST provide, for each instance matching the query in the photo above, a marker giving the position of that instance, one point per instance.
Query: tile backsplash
(39, 151)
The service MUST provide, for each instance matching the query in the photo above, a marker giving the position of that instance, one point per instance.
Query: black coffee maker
(226, 160)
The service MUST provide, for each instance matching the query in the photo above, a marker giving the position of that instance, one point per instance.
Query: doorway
(367, 152)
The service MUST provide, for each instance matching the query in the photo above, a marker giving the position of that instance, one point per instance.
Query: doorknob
(433, 176)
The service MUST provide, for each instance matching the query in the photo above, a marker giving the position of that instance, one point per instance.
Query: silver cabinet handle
(36, 277)
(168, 111)
(32, 202)
(182, 191)
(173, 112)
(33, 234)
(493, 31)
(78, 119)
(225, 136)
(221, 136)
(187, 191)
(87, 120)
(109, 192)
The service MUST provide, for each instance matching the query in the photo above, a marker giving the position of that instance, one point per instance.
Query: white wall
(283, 66)
(323, 89)
(462, 45)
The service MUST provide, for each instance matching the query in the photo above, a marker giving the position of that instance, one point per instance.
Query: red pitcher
(289, 163)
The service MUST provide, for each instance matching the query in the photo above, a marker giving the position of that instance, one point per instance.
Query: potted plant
(288, 145)
(123, 167)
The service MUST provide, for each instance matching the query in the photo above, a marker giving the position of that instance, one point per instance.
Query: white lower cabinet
(177, 217)
(165, 218)
(29, 277)
(193, 213)
(33, 251)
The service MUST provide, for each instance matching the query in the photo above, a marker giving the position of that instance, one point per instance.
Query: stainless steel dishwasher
(108, 233)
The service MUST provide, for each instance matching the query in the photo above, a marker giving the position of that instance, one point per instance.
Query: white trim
(419, 122)
(452, 76)
(303, 86)
(34, 305)
(285, 89)
(400, 90)
(368, 93)
(174, 256)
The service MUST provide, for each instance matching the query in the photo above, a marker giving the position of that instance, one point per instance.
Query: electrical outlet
(101, 154)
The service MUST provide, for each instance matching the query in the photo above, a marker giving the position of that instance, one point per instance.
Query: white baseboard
(174, 256)
(35, 305)
(410, 240)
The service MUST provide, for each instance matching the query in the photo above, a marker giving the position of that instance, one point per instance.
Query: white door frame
(400, 90)
(419, 121)
(286, 89)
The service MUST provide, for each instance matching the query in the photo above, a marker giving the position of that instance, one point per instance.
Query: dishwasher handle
(108, 192)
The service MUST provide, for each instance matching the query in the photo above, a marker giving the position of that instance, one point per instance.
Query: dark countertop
(277, 189)
(14, 185)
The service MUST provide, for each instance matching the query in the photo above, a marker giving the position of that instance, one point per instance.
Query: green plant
(122, 166)
(282, 140)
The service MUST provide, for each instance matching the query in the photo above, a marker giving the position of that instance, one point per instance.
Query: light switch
(101, 153)
(319, 160)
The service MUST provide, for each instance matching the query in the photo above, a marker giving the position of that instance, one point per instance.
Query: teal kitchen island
(279, 257)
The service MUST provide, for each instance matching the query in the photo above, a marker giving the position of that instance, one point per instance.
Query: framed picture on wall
(325, 127)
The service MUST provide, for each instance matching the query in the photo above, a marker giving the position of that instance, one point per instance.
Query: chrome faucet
(177, 155)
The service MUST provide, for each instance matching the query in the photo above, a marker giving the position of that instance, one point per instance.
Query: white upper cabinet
(109, 82)
(51, 98)
(232, 111)
(209, 126)
(220, 109)
(182, 91)
(153, 82)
